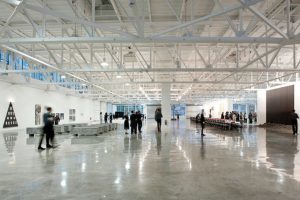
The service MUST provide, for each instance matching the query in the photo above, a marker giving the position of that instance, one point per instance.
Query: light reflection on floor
(175, 164)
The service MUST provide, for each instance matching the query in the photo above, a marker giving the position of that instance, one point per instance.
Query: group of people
(106, 117)
(239, 117)
(135, 122)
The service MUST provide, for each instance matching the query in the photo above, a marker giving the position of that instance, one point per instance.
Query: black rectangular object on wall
(280, 103)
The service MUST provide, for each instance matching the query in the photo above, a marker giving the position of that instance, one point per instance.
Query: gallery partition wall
(280, 103)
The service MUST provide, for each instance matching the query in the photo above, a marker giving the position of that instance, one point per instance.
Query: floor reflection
(10, 143)
(87, 140)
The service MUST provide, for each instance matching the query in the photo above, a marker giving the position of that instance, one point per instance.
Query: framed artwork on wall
(38, 110)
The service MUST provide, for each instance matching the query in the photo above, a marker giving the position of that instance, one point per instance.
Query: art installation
(38, 110)
(10, 119)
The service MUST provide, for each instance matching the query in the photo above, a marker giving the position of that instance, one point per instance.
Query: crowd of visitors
(240, 116)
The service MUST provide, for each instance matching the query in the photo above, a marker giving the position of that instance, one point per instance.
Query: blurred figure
(133, 122)
(241, 119)
(139, 121)
(202, 122)
(110, 118)
(294, 119)
(126, 123)
(105, 117)
(222, 115)
(101, 118)
(48, 119)
(158, 117)
(250, 118)
(56, 119)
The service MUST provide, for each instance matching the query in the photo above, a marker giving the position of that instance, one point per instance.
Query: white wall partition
(25, 98)
(297, 97)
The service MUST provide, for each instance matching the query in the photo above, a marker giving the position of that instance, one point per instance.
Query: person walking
(48, 119)
(110, 118)
(105, 118)
(294, 120)
(126, 123)
(158, 117)
(139, 121)
(133, 123)
(202, 122)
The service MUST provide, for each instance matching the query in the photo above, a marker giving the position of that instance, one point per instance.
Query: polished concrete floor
(175, 164)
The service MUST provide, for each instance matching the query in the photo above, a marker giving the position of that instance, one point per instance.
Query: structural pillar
(166, 101)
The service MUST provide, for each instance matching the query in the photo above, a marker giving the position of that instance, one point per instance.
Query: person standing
(158, 117)
(110, 118)
(56, 119)
(294, 120)
(48, 120)
(133, 123)
(105, 118)
(222, 115)
(139, 121)
(202, 122)
(126, 123)
(250, 118)
(100, 117)
(241, 119)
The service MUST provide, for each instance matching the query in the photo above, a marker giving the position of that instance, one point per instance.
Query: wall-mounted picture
(72, 113)
(62, 116)
(38, 110)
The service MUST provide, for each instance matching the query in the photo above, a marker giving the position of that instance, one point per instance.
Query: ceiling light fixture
(104, 63)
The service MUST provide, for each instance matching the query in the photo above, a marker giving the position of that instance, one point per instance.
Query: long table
(58, 129)
(222, 123)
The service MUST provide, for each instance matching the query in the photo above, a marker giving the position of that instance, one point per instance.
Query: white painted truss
(110, 49)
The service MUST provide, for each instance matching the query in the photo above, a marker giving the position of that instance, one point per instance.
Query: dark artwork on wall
(280, 103)
(10, 119)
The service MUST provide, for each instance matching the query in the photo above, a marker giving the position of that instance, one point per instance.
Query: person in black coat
(126, 123)
(222, 115)
(294, 119)
(139, 121)
(105, 117)
(133, 123)
(110, 118)
(202, 122)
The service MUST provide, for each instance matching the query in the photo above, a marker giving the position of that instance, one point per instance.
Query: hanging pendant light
(104, 63)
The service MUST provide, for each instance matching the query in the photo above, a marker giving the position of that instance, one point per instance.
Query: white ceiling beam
(166, 39)
(263, 18)
(213, 14)
(231, 24)
(166, 70)
(101, 26)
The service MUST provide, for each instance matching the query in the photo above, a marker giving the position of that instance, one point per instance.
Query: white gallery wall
(25, 98)
(192, 110)
(297, 97)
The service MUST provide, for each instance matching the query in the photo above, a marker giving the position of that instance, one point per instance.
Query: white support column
(261, 107)
(166, 101)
